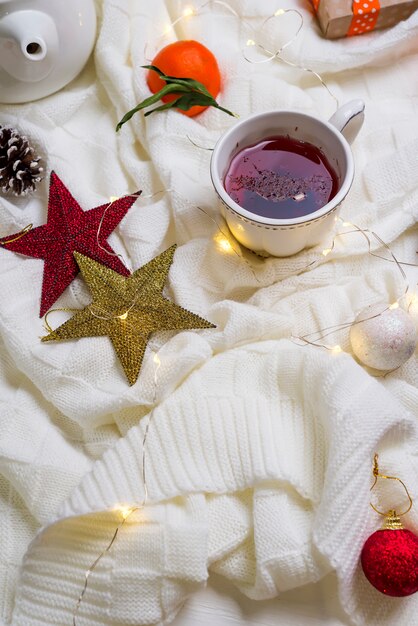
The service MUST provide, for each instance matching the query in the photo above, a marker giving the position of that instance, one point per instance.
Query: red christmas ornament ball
(390, 562)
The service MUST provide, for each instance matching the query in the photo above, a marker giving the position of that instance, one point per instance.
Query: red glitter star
(69, 229)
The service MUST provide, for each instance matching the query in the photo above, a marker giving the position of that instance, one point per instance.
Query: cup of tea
(282, 176)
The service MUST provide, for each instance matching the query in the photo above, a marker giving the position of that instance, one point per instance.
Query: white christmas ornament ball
(387, 340)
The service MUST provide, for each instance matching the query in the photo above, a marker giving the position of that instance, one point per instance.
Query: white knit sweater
(259, 451)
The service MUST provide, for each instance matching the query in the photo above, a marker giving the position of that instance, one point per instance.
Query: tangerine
(186, 59)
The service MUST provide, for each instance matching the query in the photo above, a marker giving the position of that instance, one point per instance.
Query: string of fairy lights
(252, 42)
(125, 511)
(227, 244)
(313, 338)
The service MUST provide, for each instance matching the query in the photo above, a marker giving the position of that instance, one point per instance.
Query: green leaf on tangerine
(191, 93)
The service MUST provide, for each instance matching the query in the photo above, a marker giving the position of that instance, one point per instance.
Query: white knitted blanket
(259, 451)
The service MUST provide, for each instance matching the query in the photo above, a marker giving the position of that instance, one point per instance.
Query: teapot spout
(28, 43)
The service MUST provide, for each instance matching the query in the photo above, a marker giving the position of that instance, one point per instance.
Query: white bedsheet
(260, 450)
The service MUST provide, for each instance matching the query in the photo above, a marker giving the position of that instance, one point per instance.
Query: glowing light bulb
(250, 42)
(167, 29)
(114, 198)
(336, 349)
(223, 244)
(156, 359)
(188, 11)
(123, 316)
(347, 224)
(124, 510)
(279, 12)
(327, 251)
(395, 305)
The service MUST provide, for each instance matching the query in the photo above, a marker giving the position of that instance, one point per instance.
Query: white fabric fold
(288, 484)
(259, 452)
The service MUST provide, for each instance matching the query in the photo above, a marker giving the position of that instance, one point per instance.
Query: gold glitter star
(127, 309)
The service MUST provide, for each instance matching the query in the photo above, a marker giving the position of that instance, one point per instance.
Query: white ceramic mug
(283, 237)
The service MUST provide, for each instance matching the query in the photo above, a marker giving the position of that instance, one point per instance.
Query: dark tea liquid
(281, 177)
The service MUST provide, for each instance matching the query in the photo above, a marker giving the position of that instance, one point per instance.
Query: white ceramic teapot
(44, 44)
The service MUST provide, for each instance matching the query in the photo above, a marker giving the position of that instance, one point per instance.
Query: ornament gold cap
(392, 521)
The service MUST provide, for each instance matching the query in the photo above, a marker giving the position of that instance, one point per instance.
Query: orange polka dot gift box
(345, 18)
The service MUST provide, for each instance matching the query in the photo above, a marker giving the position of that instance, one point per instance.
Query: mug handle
(349, 119)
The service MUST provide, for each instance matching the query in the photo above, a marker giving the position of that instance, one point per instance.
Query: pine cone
(19, 166)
